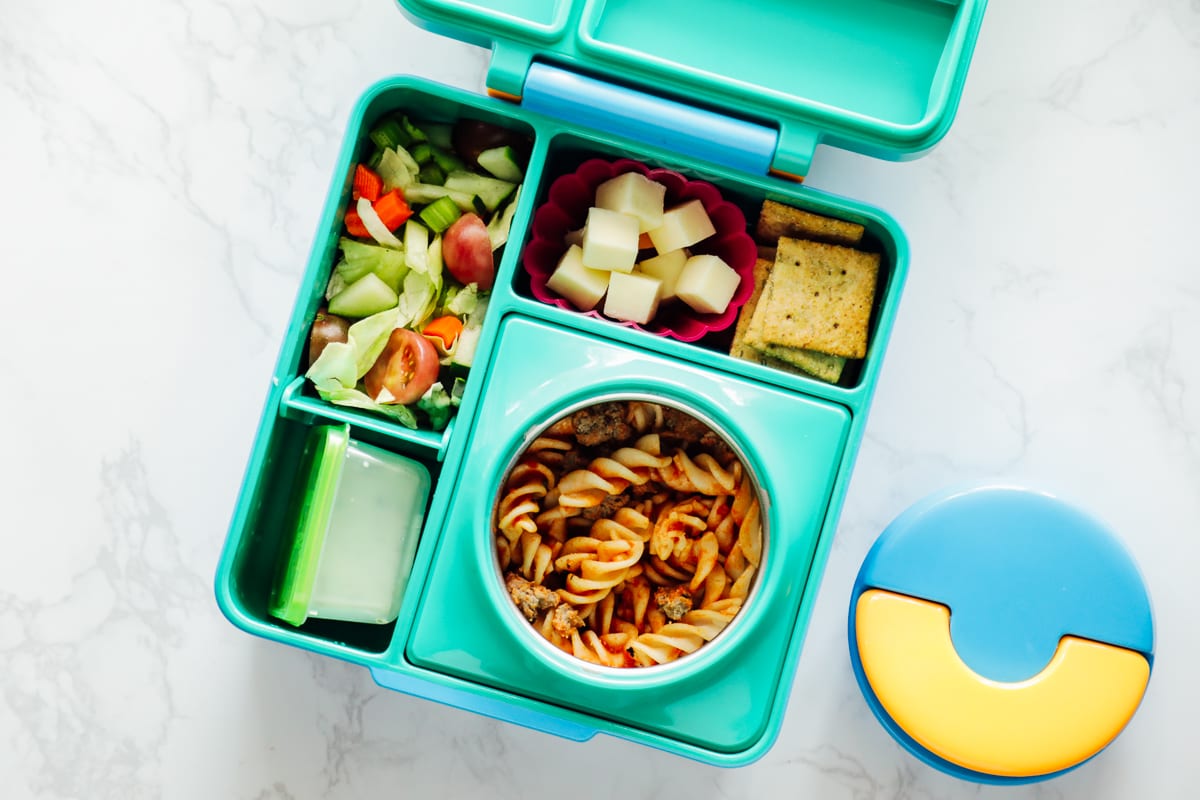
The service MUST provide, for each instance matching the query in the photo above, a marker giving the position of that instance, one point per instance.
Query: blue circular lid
(1019, 570)
(1016, 571)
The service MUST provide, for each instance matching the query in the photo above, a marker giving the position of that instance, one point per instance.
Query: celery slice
(420, 193)
(390, 134)
(440, 214)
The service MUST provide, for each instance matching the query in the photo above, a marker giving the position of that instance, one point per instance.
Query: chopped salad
(406, 300)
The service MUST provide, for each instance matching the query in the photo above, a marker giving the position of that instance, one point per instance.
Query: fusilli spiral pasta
(630, 534)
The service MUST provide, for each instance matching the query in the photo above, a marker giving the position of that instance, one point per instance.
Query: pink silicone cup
(566, 208)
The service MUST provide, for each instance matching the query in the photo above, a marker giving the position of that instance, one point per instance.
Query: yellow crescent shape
(1065, 714)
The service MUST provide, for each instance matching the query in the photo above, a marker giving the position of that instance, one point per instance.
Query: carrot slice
(354, 225)
(445, 328)
(392, 209)
(367, 184)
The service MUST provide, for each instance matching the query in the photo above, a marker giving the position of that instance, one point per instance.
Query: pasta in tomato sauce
(629, 534)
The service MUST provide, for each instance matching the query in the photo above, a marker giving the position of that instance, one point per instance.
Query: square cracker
(776, 220)
(820, 298)
(820, 365)
(751, 347)
(739, 349)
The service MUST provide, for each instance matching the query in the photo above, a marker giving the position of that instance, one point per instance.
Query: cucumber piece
(366, 296)
(421, 193)
(502, 162)
(468, 340)
(441, 134)
(392, 268)
(440, 214)
(353, 250)
(422, 153)
(448, 162)
(499, 226)
(359, 258)
(416, 246)
(491, 191)
(390, 133)
(351, 271)
(432, 174)
(464, 349)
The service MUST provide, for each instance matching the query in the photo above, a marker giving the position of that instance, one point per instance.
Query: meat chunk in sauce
(603, 422)
(673, 601)
(531, 598)
(607, 508)
(684, 427)
(566, 621)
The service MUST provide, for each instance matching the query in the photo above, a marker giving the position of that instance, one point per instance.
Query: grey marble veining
(163, 165)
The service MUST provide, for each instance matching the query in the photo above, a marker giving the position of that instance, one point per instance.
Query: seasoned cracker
(751, 347)
(819, 365)
(762, 268)
(777, 220)
(819, 298)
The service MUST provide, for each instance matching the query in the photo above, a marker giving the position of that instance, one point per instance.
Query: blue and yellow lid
(1000, 634)
(882, 77)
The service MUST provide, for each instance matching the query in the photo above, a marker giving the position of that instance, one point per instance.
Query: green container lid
(358, 513)
(311, 504)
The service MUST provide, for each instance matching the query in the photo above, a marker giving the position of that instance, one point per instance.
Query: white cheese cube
(582, 286)
(636, 195)
(666, 268)
(707, 284)
(682, 226)
(610, 240)
(633, 298)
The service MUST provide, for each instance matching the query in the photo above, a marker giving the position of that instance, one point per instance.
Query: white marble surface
(163, 165)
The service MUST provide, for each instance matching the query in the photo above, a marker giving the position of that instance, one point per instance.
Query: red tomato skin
(407, 367)
(467, 252)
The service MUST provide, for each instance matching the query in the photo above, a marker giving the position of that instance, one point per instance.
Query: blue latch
(674, 126)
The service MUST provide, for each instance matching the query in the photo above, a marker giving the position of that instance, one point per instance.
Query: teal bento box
(739, 96)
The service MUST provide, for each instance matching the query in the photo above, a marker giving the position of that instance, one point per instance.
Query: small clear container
(358, 514)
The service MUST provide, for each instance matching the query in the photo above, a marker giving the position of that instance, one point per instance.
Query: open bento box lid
(880, 77)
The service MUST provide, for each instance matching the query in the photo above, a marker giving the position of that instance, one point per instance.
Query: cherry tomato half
(406, 368)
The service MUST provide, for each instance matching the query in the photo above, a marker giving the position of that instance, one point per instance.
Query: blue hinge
(671, 125)
(482, 704)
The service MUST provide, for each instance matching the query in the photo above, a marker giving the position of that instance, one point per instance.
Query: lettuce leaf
(336, 367)
(337, 370)
(359, 258)
(370, 336)
(438, 405)
(417, 301)
(336, 284)
(397, 168)
(462, 302)
(356, 399)
(341, 364)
